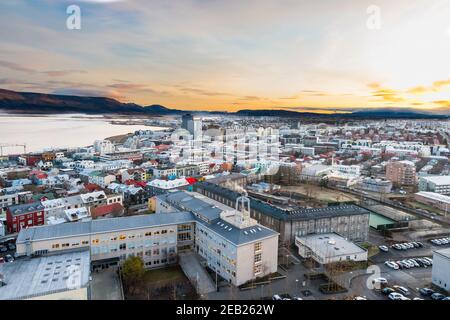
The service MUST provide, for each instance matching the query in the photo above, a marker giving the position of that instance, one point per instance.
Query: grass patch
(164, 274)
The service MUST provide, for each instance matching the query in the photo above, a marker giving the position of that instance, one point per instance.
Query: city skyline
(229, 55)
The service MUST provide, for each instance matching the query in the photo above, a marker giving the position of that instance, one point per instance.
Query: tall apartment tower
(192, 124)
(401, 173)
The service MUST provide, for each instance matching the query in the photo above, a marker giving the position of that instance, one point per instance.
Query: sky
(319, 56)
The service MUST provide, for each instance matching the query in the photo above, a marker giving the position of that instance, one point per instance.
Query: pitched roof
(106, 209)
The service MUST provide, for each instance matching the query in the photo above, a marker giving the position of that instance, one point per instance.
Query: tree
(133, 272)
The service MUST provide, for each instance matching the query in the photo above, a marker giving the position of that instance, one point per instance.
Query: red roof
(135, 183)
(92, 187)
(191, 180)
(105, 210)
(38, 174)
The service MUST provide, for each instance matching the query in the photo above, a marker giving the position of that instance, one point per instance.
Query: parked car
(395, 296)
(11, 246)
(276, 297)
(383, 248)
(426, 292)
(416, 298)
(446, 298)
(296, 298)
(392, 265)
(380, 281)
(3, 249)
(437, 296)
(359, 298)
(387, 291)
(9, 258)
(402, 290)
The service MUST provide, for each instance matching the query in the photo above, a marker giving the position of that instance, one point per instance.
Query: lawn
(164, 274)
(321, 194)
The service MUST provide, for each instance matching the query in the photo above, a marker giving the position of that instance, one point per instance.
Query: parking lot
(7, 248)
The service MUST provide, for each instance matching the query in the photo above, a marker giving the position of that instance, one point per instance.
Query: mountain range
(41, 103)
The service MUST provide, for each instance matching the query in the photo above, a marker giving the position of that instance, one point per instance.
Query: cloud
(61, 73)
(15, 67)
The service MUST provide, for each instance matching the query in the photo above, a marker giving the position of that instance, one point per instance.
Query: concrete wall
(246, 264)
(441, 271)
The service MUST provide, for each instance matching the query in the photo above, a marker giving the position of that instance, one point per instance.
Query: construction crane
(11, 145)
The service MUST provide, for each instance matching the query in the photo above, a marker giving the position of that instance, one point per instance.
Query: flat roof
(31, 277)
(330, 245)
(444, 252)
(434, 196)
(439, 180)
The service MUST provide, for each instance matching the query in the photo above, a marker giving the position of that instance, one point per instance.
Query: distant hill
(35, 103)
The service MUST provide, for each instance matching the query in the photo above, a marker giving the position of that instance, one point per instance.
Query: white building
(233, 244)
(328, 248)
(104, 146)
(57, 277)
(438, 184)
(441, 269)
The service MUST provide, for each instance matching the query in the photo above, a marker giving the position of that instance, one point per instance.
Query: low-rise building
(62, 276)
(441, 265)
(351, 221)
(437, 200)
(24, 216)
(438, 184)
(329, 248)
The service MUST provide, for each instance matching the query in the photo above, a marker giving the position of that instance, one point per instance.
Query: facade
(103, 146)
(101, 179)
(437, 184)
(376, 185)
(232, 243)
(219, 234)
(329, 248)
(192, 124)
(138, 174)
(176, 171)
(401, 173)
(24, 216)
(441, 265)
(350, 221)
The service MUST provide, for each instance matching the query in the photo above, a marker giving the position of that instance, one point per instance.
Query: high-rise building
(192, 124)
(401, 173)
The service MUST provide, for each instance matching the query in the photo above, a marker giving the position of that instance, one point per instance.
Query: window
(95, 241)
(155, 252)
(258, 257)
(257, 269)
(123, 246)
(258, 246)
(55, 246)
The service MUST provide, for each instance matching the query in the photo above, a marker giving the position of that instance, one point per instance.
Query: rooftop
(444, 252)
(102, 226)
(438, 179)
(26, 208)
(298, 213)
(434, 196)
(329, 245)
(32, 277)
